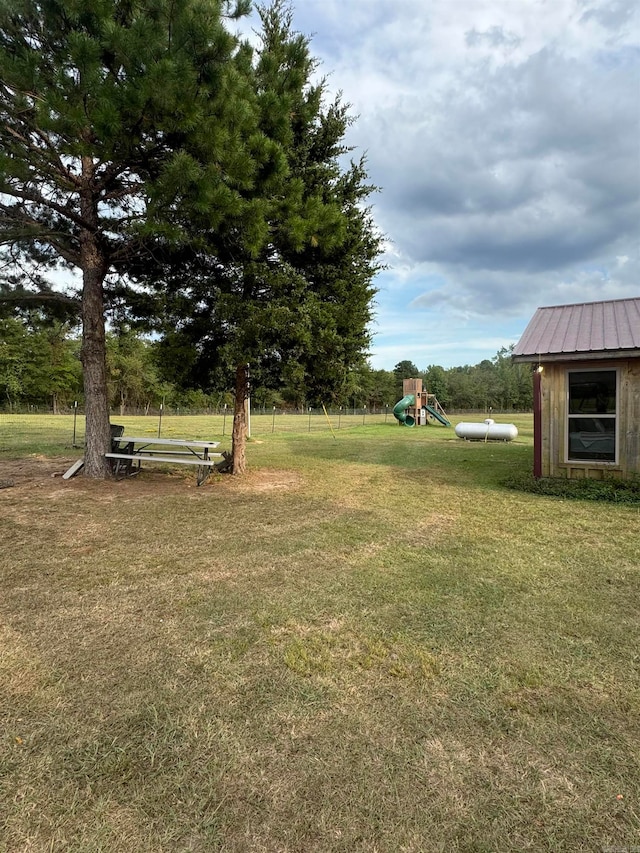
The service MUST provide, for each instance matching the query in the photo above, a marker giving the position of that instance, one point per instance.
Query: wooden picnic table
(129, 451)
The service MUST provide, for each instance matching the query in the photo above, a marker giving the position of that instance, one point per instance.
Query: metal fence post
(75, 416)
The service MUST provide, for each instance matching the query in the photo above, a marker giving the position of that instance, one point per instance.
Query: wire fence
(49, 434)
(46, 433)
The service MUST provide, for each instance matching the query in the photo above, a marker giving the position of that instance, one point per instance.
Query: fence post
(364, 414)
(160, 418)
(224, 420)
(273, 421)
(309, 418)
(75, 415)
(339, 416)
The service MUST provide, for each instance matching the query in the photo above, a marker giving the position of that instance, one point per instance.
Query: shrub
(608, 489)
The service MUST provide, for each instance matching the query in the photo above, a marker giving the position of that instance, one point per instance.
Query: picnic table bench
(128, 452)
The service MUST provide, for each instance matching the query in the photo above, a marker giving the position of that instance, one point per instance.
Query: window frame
(615, 417)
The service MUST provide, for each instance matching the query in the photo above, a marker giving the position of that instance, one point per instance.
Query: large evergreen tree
(121, 123)
(296, 310)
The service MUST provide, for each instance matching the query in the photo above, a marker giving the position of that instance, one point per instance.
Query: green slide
(436, 414)
(399, 410)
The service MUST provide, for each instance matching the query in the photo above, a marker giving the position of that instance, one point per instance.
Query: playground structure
(417, 406)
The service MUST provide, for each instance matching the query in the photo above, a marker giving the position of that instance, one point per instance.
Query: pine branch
(24, 297)
(39, 199)
(46, 151)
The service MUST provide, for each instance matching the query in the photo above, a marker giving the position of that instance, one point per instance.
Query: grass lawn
(366, 644)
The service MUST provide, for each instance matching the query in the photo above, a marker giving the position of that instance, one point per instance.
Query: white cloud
(505, 137)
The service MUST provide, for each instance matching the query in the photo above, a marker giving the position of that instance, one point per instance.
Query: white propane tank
(488, 431)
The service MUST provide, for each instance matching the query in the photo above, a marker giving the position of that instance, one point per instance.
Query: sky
(504, 136)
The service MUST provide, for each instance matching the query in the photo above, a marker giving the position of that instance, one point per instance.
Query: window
(592, 415)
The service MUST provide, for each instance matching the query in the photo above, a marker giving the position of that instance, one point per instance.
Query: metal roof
(589, 328)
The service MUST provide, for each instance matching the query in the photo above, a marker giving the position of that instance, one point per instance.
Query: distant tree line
(40, 367)
(497, 383)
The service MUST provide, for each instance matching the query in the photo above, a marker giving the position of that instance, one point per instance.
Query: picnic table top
(177, 442)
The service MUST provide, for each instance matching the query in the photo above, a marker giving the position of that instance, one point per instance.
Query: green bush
(608, 489)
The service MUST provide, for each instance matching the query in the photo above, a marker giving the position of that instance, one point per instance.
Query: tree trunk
(94, 348)
(239, 435)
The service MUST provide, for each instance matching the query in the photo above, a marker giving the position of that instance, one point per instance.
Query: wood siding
(553, 439)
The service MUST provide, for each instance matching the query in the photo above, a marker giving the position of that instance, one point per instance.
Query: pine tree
(121, 123)
(297, 308)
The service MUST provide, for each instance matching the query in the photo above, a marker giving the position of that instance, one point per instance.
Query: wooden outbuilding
(586, 388)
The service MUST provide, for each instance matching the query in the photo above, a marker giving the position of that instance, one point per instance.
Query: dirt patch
(32, 468)
(263, 481)
(45, 474)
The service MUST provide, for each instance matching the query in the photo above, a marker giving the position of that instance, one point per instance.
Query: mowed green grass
(367, 644)
(51, 434)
